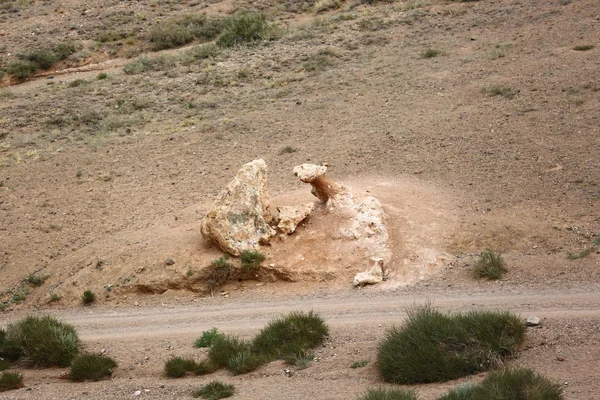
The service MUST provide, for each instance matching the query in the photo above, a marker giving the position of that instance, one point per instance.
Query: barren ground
(102, 180)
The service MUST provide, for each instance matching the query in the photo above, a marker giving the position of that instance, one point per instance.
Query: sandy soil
(103, 180)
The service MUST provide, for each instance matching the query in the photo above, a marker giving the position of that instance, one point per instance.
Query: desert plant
(359, 364)
(91, 367)
(101, 76)
(199, 52)
(88, 297)
(176, 367)
(430, 53)
(219, 272)
(21, 69)
(251, 261)
(288, 150)
(4, 364)
(460, 392)
(584, 47)
(43, 58)
(184, 29)
(516, 384)
(289, 334)
(244, 27)
(582, 254)
(54, 297)
(324, 5)
(244, 361)
(208, 338)
(215, 390)
(42, 341)
(432, 347)
(34, 279)
(389, 394)
(10, 381)
(301, 358)
(225, 348)
(490, 265)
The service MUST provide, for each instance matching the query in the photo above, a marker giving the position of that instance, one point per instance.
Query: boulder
(240, 216)
(291, 216)
(372, 276)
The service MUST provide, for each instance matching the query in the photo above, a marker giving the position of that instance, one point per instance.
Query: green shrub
(505, 92)
(219, 272)
(251, 261)
(176, 367)
(300, 358)
(64, 50)
(215, 390)
(43, 58)
(290, 334)
(243, 362)
(21, 69)
(516, 384)
(145, 64)
(4, 364)
(490, 265)
(389, 394)
(182, 30)
(208, 338)
(101, 76)
(433, 347)
(42, 341)
(88, 297)
(10, 381)
(224, 348)
(91, 367)
(245, 27)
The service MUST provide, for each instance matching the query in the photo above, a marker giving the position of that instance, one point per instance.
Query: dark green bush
(433, 347)
(10, 381)
(176, 367)
(515, 384)
(208, 338)
(200, 52)
(42, 341)
(251, 261)
(490, 265)
(245, 27)
(389, 394)
(224, 348)
(88, 297)
(215, 390)
(43, 58)
(91, 367)
(290, 334)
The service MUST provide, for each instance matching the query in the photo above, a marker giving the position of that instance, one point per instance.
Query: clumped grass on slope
(43, 341)
(389, 394)
(432, 347)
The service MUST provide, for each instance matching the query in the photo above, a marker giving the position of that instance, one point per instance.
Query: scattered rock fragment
(170, 261)
(371, 276)
(291, 216)
(239, 218)
(533, 321)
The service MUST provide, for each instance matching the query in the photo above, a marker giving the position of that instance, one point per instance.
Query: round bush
(91, 367)
(44, 341)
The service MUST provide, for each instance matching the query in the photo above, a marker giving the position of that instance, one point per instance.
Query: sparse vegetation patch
(490, 265)
(184, 29)
(208, 338)
(389, 394)
(584, 47)
(432, 347)
(88, 297)
(10, 381)
(251, 261)
(245, 27)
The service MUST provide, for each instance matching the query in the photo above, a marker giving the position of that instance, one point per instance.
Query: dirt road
(140, 339)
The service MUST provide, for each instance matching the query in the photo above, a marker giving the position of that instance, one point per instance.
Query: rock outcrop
(239, 218)
(365, 221)
(323, 188)
(290, 216)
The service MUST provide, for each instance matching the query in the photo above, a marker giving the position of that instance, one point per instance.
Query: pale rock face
(240, 216)
(291, 216)
(372, 276)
